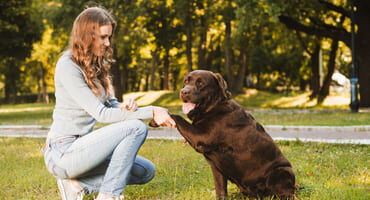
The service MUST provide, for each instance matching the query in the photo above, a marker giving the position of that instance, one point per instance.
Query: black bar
(354, 80)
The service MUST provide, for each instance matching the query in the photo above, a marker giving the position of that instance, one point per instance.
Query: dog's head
(202, 91)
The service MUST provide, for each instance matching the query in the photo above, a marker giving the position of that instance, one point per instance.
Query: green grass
(267, 108)
(323, 118)
(324, 171)
(26, 114)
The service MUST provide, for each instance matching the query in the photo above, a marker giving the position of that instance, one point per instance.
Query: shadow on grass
(254, 98)
(139, 97)
(250, 98)
(40, 117)
(169, 99)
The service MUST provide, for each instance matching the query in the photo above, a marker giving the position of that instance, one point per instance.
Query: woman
(104, 160)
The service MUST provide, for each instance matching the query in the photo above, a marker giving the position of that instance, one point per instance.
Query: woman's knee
(140, 127)
(143, 170)
(151, 172)
(134, 126)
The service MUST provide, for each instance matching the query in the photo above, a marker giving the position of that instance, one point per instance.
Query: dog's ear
(223, 86)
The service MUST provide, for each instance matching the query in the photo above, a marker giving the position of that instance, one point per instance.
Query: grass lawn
(267, 108)
(324, 171)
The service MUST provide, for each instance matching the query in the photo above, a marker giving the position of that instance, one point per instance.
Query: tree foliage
(275, 42)
(19, 29)
(332, 19)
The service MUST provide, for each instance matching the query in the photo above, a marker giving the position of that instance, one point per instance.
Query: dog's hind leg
(281, 182)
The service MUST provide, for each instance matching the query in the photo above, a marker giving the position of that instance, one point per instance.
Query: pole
(354, 80)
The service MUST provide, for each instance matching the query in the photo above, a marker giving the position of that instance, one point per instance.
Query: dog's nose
(185, 91)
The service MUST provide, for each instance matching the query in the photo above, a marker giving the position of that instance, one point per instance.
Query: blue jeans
(102, 161)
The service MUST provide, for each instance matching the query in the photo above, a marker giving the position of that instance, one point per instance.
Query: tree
(314, 54)
(160, 21)
(185, 12)
(130, 36)
(247, 22)
(324, 90)
(337, 32)
(40, 65)
(264, 48)
(228, 16)
(19, 30)
(61, 15)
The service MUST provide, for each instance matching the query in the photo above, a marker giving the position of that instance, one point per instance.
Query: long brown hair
(96, 68)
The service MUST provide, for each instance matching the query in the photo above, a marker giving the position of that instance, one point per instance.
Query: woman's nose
(106, 42)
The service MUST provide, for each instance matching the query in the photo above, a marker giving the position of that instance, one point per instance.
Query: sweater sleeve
(113, 102)
(72, 79)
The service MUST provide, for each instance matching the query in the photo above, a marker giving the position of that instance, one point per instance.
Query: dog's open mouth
(187, 107)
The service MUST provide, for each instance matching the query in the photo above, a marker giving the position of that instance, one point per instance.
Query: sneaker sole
(61, 189)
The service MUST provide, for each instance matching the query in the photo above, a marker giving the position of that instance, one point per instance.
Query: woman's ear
(223, 86)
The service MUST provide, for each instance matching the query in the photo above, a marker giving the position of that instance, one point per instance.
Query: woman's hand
(128, 104)
(162, 117)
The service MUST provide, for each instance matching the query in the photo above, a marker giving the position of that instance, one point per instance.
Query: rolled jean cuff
(88, 189)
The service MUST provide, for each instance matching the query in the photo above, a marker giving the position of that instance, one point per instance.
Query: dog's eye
(199, 83)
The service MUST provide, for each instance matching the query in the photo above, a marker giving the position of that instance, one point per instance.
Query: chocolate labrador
(235, 145)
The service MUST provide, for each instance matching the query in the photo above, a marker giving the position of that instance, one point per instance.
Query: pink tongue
(187, 107)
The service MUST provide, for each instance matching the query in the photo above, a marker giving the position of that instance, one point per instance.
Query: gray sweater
(77, 109)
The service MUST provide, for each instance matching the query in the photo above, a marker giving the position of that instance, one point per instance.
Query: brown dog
(235, 145)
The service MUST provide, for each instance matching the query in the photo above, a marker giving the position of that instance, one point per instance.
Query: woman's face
(102, 41)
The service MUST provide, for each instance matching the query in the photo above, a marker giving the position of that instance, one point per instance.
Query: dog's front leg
(196, 138)
(220, 182)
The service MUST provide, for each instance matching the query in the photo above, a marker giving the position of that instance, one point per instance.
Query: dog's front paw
(153, 124)
(177, 117)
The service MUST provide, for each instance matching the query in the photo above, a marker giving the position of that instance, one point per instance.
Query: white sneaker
(120, 197)
(110, 198)
(68, 191)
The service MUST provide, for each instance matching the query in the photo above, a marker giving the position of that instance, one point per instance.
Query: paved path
(328, 134)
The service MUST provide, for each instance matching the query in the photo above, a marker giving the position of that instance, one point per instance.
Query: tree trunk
(363, 49)
(239, 83)
(228, 56)
(124, 77)
(116, 72)
(45, 97)
(211, 54)
(258, 80)
(160, 71)
(175, 74)
(315, 60)
(217, 54)
(325, 89)
(166, 70)
(153, 68)
(137, 81)
(147, 75)
(189, 39)
(11, 77)
(39, 94)
(302, 84)
(202, 43)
